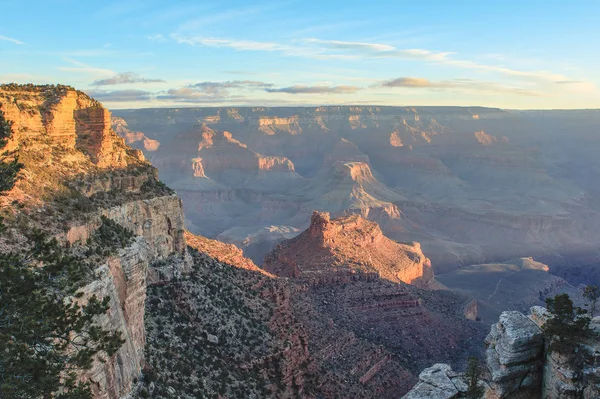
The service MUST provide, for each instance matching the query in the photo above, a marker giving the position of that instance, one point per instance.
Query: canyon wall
(76, 171)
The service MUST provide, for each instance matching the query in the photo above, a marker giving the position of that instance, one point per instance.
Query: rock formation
(87, 172)
(134, 139)
(472, 185)
(520, 365)
(438, 382)
(347, 245)
(514, 356)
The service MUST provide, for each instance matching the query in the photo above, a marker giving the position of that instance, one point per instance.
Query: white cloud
(12, 40)
(299, 89)
(157, 38)
(84, 68)
(347, 50)
(125, 78)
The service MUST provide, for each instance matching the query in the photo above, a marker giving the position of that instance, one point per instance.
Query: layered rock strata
(330, 248)
(76, 171)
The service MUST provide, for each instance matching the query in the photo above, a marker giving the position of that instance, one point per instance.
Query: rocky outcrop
(272, 125)
(348, 244)
(158, 220)
(438, 382)
(520, 365)
(514, 356)
(222, 252)
(67, 117)
(219, 152)
(134, 139)
(573, 375)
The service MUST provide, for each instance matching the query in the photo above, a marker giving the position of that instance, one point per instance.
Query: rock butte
(349, 244)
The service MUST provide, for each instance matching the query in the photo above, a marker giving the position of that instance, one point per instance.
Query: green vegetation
(110, 237)
(592, 293)
(9, 162)
(567, 325)
(222, 326)
(47, 325)
(156, 186)
(473, 371)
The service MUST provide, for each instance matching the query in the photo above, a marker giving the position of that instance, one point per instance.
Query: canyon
(472, 185)
(366, 239)
(172, 292)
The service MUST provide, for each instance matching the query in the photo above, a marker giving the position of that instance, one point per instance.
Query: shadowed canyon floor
(472, 185)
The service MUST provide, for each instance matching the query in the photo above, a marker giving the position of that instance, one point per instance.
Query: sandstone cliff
(77, 170)
(348, 245)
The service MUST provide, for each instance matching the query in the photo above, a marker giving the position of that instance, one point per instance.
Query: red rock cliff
(344, 245)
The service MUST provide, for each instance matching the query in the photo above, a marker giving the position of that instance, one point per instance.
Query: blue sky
(147, 53)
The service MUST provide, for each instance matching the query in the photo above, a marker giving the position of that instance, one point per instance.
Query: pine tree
(47, 328)
(567, 324)
(474, 391)
(592, 293)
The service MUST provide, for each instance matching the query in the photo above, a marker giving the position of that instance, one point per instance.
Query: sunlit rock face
(348, 244)
(77, 169)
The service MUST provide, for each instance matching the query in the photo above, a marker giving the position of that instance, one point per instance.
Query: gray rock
(434, 383)
(213, 339)
(518, 339)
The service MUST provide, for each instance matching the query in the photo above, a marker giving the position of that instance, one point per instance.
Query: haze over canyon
(471, 185)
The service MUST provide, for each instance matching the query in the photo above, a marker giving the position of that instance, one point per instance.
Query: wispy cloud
(457, 85)
(193, 95)
(120, 95)
(299, 89)
(221, 88)
(407, 82)
(81, 67)
(157, 38)
(337, 49)
(206, 92)
(234, 44)
(125, 78)
(12, 40)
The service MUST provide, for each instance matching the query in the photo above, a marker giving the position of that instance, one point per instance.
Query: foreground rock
(519, 365)
(514, 356)
(437, 382)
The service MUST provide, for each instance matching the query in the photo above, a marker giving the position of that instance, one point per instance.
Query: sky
(525, 54)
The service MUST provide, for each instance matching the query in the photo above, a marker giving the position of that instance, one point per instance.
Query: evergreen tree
(9, 162)
(567, 324)
(592, 293)
(47, 329)
(474, 391)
